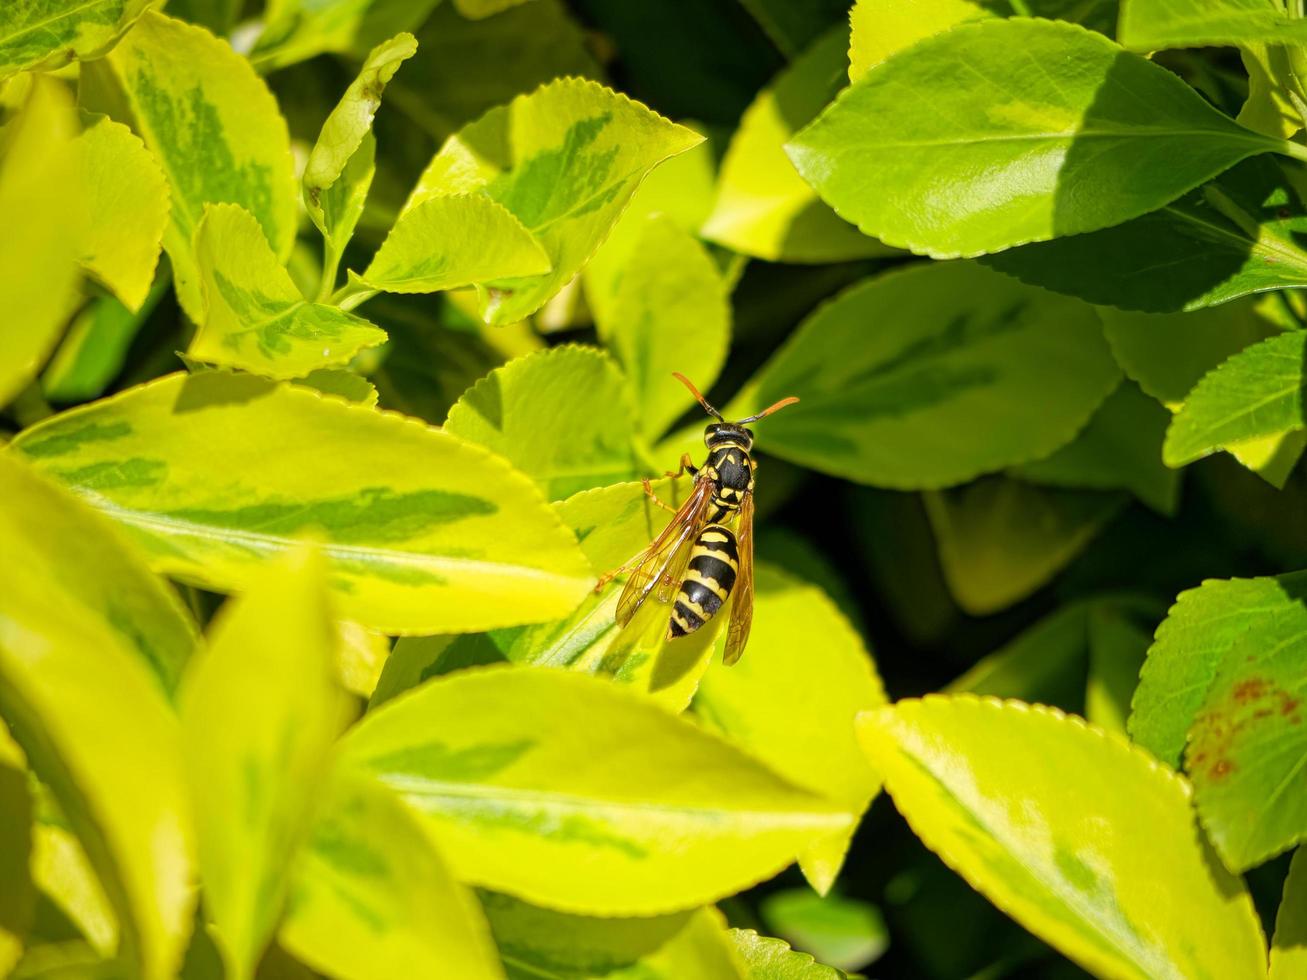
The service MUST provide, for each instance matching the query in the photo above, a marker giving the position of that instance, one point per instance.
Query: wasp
(706, 551)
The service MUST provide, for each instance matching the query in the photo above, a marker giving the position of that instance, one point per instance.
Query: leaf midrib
(269, 542)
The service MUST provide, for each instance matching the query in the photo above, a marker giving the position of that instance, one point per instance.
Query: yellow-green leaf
(1289, 947)
(260, 709)
(38, 270)
(763, 207)
(771, 959)
(792, 698)
(372, 899)
(127, 204)
(671, 312)
(561, 416)
(17, 892)
(81, 690)
(255, 317)
(1082, 838)
(502, 766)
(448, 242)
(884, 27)
(215, 472)
(564, 160)
(349, 123)
(46, 34)
(212, 124)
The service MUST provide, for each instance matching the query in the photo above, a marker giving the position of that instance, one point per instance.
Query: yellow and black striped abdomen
(709, 578)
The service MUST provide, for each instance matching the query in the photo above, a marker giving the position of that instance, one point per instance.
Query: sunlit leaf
(447, 242)
(1201, 628)
(561, 416)
(372, 899)
(954, 766)
(38, 272)
(1147, 25)
(763, 207)
(564, 160)
(1255, 394)
(882, 28)
(1269, 108)
(127, 200)
(298, 29)
(501, 766)
(1035, 129)
(215, 472)
(806, 665)
(45, 34)
(87, 644)
(1247, 748)
(939, 390)
(270, 661)
(212, 125)
(255, 318)
(772, 959)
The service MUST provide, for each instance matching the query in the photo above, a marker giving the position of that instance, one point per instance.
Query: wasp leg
(607, 577)
(649, 492)
(685, 467)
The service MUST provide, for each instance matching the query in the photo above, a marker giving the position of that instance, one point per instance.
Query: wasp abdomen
(709, 578)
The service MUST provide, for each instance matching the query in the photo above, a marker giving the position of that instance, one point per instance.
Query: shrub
(365, 315)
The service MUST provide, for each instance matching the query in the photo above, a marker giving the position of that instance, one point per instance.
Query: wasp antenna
(768, 411)
(698, 397)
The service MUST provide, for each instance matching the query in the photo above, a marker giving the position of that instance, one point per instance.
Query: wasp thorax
(727, 434)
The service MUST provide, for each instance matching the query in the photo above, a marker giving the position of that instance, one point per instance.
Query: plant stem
(351, 295)
(1295, 150)
(330, 270)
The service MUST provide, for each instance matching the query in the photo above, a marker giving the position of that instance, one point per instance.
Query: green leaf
(95, 346)
(17, 892)
(1150, 25)
(255, 784)
(47, 34)
(38, 271)
(448, 242)
(346, 128)
(564, 160)
(372, 899)
(882, 28)
(1120, 449)
(1201, 628)
(771, 959)
(1289, 947)
(536, 942)
(342, 383)
(484, 8)
(1034, 129)
(1078, 863)
(507, 781)
(1269, 107)
(941, 390)
(127, 200)
(763, 207)
(792, 698)
(298, 29)
(1166, 355)
(1235, 236)
(671, 312)
(999, 540)
(1247, 751)
(215, 472)
(845, 932)
(1255, 394)
(212, 125)
(255, 317)
(88, 639)
(561, 416)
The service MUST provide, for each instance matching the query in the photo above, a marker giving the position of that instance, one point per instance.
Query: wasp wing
(737, 633)
(654, 567)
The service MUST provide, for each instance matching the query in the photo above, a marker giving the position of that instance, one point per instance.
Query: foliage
(336, 353)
